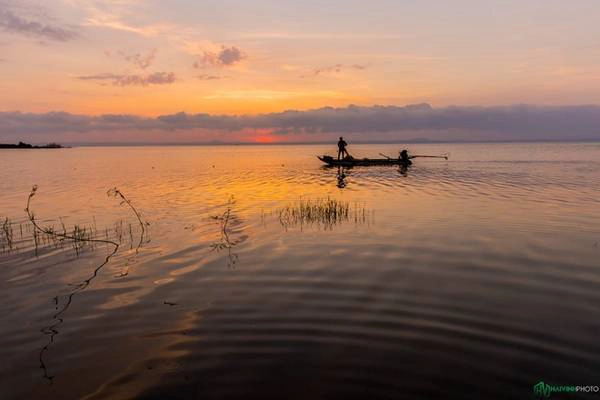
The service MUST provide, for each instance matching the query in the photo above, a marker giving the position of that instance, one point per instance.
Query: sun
(264, 138)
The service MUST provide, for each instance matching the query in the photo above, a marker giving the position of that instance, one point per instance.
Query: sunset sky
(155, 58)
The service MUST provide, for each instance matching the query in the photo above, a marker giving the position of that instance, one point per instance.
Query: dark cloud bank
(518, 122)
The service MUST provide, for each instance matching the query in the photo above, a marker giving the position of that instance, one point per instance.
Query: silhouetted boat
(353, 162)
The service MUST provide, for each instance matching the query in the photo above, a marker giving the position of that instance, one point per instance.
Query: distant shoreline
(22, 145)
(208, 144)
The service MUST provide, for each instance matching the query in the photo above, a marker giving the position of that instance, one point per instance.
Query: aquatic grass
(324, 213)
(119, 230)
(80, 236)
(7, 235)
(130, 237)
(28, 236)
(77, 236)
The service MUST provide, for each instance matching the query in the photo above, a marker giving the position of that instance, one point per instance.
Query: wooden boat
(353, 162)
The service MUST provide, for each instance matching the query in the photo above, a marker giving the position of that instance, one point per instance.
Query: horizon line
(354, 142)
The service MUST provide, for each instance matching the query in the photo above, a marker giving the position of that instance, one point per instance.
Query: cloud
(10, 22)
(516, 122)
(337, 68)
(109, 14)
(208, 77)
(139, 60)
(225, 57)
(351, 36)
(156, 78)
(325, 70)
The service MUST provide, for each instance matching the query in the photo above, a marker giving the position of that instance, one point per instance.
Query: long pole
(444, 157)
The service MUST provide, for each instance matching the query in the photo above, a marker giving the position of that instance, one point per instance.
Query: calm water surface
(473, 278)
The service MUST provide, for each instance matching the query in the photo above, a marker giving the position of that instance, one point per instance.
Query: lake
(255, 272)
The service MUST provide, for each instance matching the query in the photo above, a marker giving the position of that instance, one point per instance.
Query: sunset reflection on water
(246, 279)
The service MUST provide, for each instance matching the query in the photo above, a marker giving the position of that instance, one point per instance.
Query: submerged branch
(114, 192)
(78, 236)
(64, 235)
(225, 242)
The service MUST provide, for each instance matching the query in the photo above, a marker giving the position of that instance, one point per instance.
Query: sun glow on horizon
(151, 59)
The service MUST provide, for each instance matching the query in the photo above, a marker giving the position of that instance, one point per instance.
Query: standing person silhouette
(342, 148)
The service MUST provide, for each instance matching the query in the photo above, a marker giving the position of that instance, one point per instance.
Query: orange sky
(249, 57)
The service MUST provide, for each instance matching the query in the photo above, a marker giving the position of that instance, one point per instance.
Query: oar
(444, 157)
(388, 157)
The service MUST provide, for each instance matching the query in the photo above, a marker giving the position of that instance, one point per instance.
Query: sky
(224, 70)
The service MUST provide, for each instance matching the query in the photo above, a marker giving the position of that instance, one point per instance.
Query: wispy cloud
(321, 36)
(329, 69)
(23, 25)
(115, 23)
(108, 14)
(336, 69)
(140, 60)
(156, 78)
(225, 57)
(272, 95)
(206, 77)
